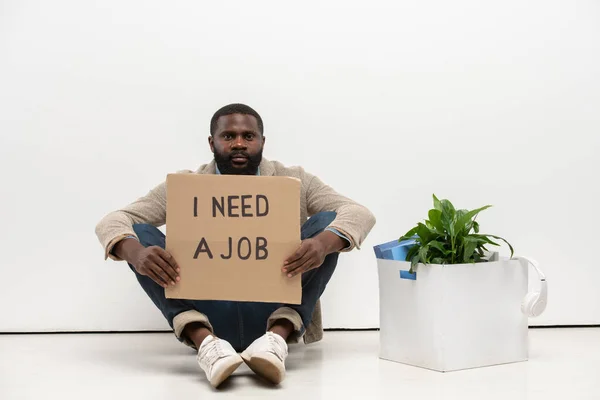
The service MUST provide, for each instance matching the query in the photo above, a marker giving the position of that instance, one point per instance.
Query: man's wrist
(127, 248)
(331, 242)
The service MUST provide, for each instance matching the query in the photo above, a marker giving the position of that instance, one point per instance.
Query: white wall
(479, 102)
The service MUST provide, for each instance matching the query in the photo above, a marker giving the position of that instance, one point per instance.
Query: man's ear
(211, 143)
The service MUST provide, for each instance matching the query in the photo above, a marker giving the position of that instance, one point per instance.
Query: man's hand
(157, 264)
(312, 253)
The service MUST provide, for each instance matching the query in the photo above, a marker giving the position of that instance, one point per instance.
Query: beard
(226, 166)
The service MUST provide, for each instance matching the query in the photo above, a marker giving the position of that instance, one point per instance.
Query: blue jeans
(240, 323)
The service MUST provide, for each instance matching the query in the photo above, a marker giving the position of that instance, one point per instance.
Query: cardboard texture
(231, 235)
(453, 317)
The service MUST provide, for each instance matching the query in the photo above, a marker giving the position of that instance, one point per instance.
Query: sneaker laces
(212, 352)
(275, 346)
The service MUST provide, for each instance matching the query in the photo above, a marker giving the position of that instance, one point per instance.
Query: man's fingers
(156, 278)
(296, 264)
(300, 268)
(297, 255)
(158, 271)
(169, 259)
(304, 268)
(172, 275)
(309, 253)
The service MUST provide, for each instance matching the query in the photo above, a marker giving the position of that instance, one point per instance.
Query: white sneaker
(218, 359)
(266, 357)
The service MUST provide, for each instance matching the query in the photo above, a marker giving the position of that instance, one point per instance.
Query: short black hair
(235, 108)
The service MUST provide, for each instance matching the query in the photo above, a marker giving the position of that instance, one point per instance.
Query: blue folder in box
(393, 250)
(397, 251)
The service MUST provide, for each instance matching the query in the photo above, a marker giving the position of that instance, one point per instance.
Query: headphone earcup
(538, 307)
(529, 304)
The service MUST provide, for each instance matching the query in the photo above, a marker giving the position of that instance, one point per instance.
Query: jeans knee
(149, 235)
(325, 217)
(317, 223)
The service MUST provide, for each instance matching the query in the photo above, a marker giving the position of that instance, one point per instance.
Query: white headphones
(534, 303)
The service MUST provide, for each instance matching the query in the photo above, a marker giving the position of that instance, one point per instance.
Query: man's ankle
(283, 328)
(196, 332)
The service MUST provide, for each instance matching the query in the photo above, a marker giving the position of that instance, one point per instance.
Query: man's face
(237, 144)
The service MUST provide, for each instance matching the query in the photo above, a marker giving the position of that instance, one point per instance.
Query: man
(221, 329)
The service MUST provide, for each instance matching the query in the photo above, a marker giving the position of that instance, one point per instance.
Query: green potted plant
(449, 236)
(464, 309)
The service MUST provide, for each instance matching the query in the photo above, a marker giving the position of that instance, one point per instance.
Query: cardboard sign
(231, 235)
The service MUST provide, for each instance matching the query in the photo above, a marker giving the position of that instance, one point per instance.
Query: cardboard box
(231, 235)
(453, 317)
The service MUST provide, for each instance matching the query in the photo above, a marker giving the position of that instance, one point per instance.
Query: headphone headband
(535, 302)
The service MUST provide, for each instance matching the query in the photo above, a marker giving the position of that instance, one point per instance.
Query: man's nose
(239, 143)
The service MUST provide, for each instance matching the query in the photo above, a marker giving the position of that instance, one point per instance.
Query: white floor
(564, 364)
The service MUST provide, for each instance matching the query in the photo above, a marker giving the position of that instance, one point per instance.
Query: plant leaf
(435, 217)
(448, 217)
(512, 251)
(476, 226)
(436, 203)
(467, 228)
(469, 248)
(460, 213)
(412, 252)
(409, 234)
(426, 234)
(462, 221)
(413, 264)
(423, 253)
(448, 209)
(438, 246)
(484, 239)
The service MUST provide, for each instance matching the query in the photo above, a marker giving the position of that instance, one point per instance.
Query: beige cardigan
(353, 220)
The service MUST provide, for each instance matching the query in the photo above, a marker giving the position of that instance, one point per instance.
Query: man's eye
(249, 136)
